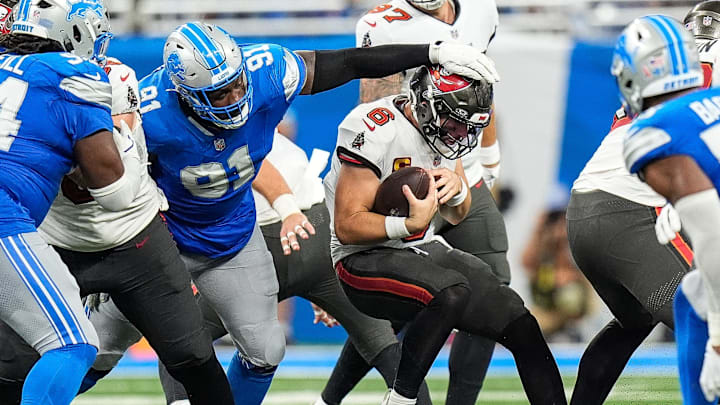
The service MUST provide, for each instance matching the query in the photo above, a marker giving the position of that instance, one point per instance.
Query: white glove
(490, 175)
(667, 224)
(710, 374)
(464, 60)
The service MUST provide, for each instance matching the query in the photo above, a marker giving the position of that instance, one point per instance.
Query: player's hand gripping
(447, 183)
(421, 211)
(464, 60)
(710, 374)
(322, 316)
(667, 224)
(293, 226)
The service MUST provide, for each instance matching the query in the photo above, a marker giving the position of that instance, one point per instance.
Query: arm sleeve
(335, 68)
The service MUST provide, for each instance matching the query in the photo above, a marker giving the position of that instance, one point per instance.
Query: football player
(400, 268)
(672, 145)
(55, 114)
(482, 232)
(130, 254)
(209, 115)
(635, 277)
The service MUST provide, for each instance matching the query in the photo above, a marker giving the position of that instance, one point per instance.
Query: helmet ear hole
(76, 33)
(628, 84)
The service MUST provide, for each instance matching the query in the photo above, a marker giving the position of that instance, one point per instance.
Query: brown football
(390, 199)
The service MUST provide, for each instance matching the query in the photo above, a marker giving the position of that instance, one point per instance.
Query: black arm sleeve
(335, 68)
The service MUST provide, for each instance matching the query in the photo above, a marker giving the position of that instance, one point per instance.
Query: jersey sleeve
(124, 85)
(288, 69)
(643, 145)
(358, 146)
(88, 97)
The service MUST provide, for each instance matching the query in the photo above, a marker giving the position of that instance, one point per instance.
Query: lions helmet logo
(80, 8)
(175, 66)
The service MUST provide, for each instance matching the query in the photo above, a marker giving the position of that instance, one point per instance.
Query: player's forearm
(330, 69)
(373, 89)
(455, 215)
(700, 216)
(361, 228)
(270, 183)
(490, 133)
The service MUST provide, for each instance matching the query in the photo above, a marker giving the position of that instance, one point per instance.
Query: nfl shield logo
(219, 144)
(437, 160)
(707, 21)
(454, 34)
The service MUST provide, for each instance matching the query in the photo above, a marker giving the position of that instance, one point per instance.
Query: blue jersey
(687, 125)
(48, 102)
(207, 172)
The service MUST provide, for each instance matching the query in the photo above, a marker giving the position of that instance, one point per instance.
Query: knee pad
(84, 354)
(262, 344)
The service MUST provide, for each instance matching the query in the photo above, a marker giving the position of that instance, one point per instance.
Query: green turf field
(295, 391)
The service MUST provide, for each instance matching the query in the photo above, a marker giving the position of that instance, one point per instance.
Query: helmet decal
(175, 66)
(80, 8)
(446, 82)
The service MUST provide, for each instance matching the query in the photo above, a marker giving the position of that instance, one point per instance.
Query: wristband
(434, 52)
(714, 328)
(395, 227)
(459, 197)
(490, 155)
(285, 205)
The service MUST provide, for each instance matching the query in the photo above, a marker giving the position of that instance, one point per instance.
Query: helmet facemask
(451, 122)
(205, 63)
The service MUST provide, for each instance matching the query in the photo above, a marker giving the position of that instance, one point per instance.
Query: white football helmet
(80, 26)
(655, 55)
(429, 5)
(201, 59)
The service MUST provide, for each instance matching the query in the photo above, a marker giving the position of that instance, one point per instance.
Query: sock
(91, 378)
(56, 377)
(691, 334)
(10, 392)
(604, 360)
(393, 398)
(249, 383)
(535, 363)
(470, 357)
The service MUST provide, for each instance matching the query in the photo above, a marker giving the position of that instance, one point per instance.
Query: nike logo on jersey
(123, 78)
(370, 24)
(96, 76)
(371, 128)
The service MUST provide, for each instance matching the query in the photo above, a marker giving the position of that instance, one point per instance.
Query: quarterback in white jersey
(398, 268)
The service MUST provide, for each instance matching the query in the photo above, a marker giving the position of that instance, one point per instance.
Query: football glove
(464, 60)
(710, 374)
(667, 224)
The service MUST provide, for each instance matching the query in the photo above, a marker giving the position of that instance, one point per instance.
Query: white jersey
(377, 135)
(606, 171)
(301, 174)
(397, 22)
(75, 221)
(709, 53)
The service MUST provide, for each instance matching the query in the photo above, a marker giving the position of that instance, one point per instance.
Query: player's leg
(150, 285)
(613, 243)
(16, 360)
(43, 306)
(482, 233)
(496, 311)
(116, 335)
(243, 291)
(406, 286)
(691, 335)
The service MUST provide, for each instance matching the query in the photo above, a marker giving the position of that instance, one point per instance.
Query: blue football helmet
(202, 59)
